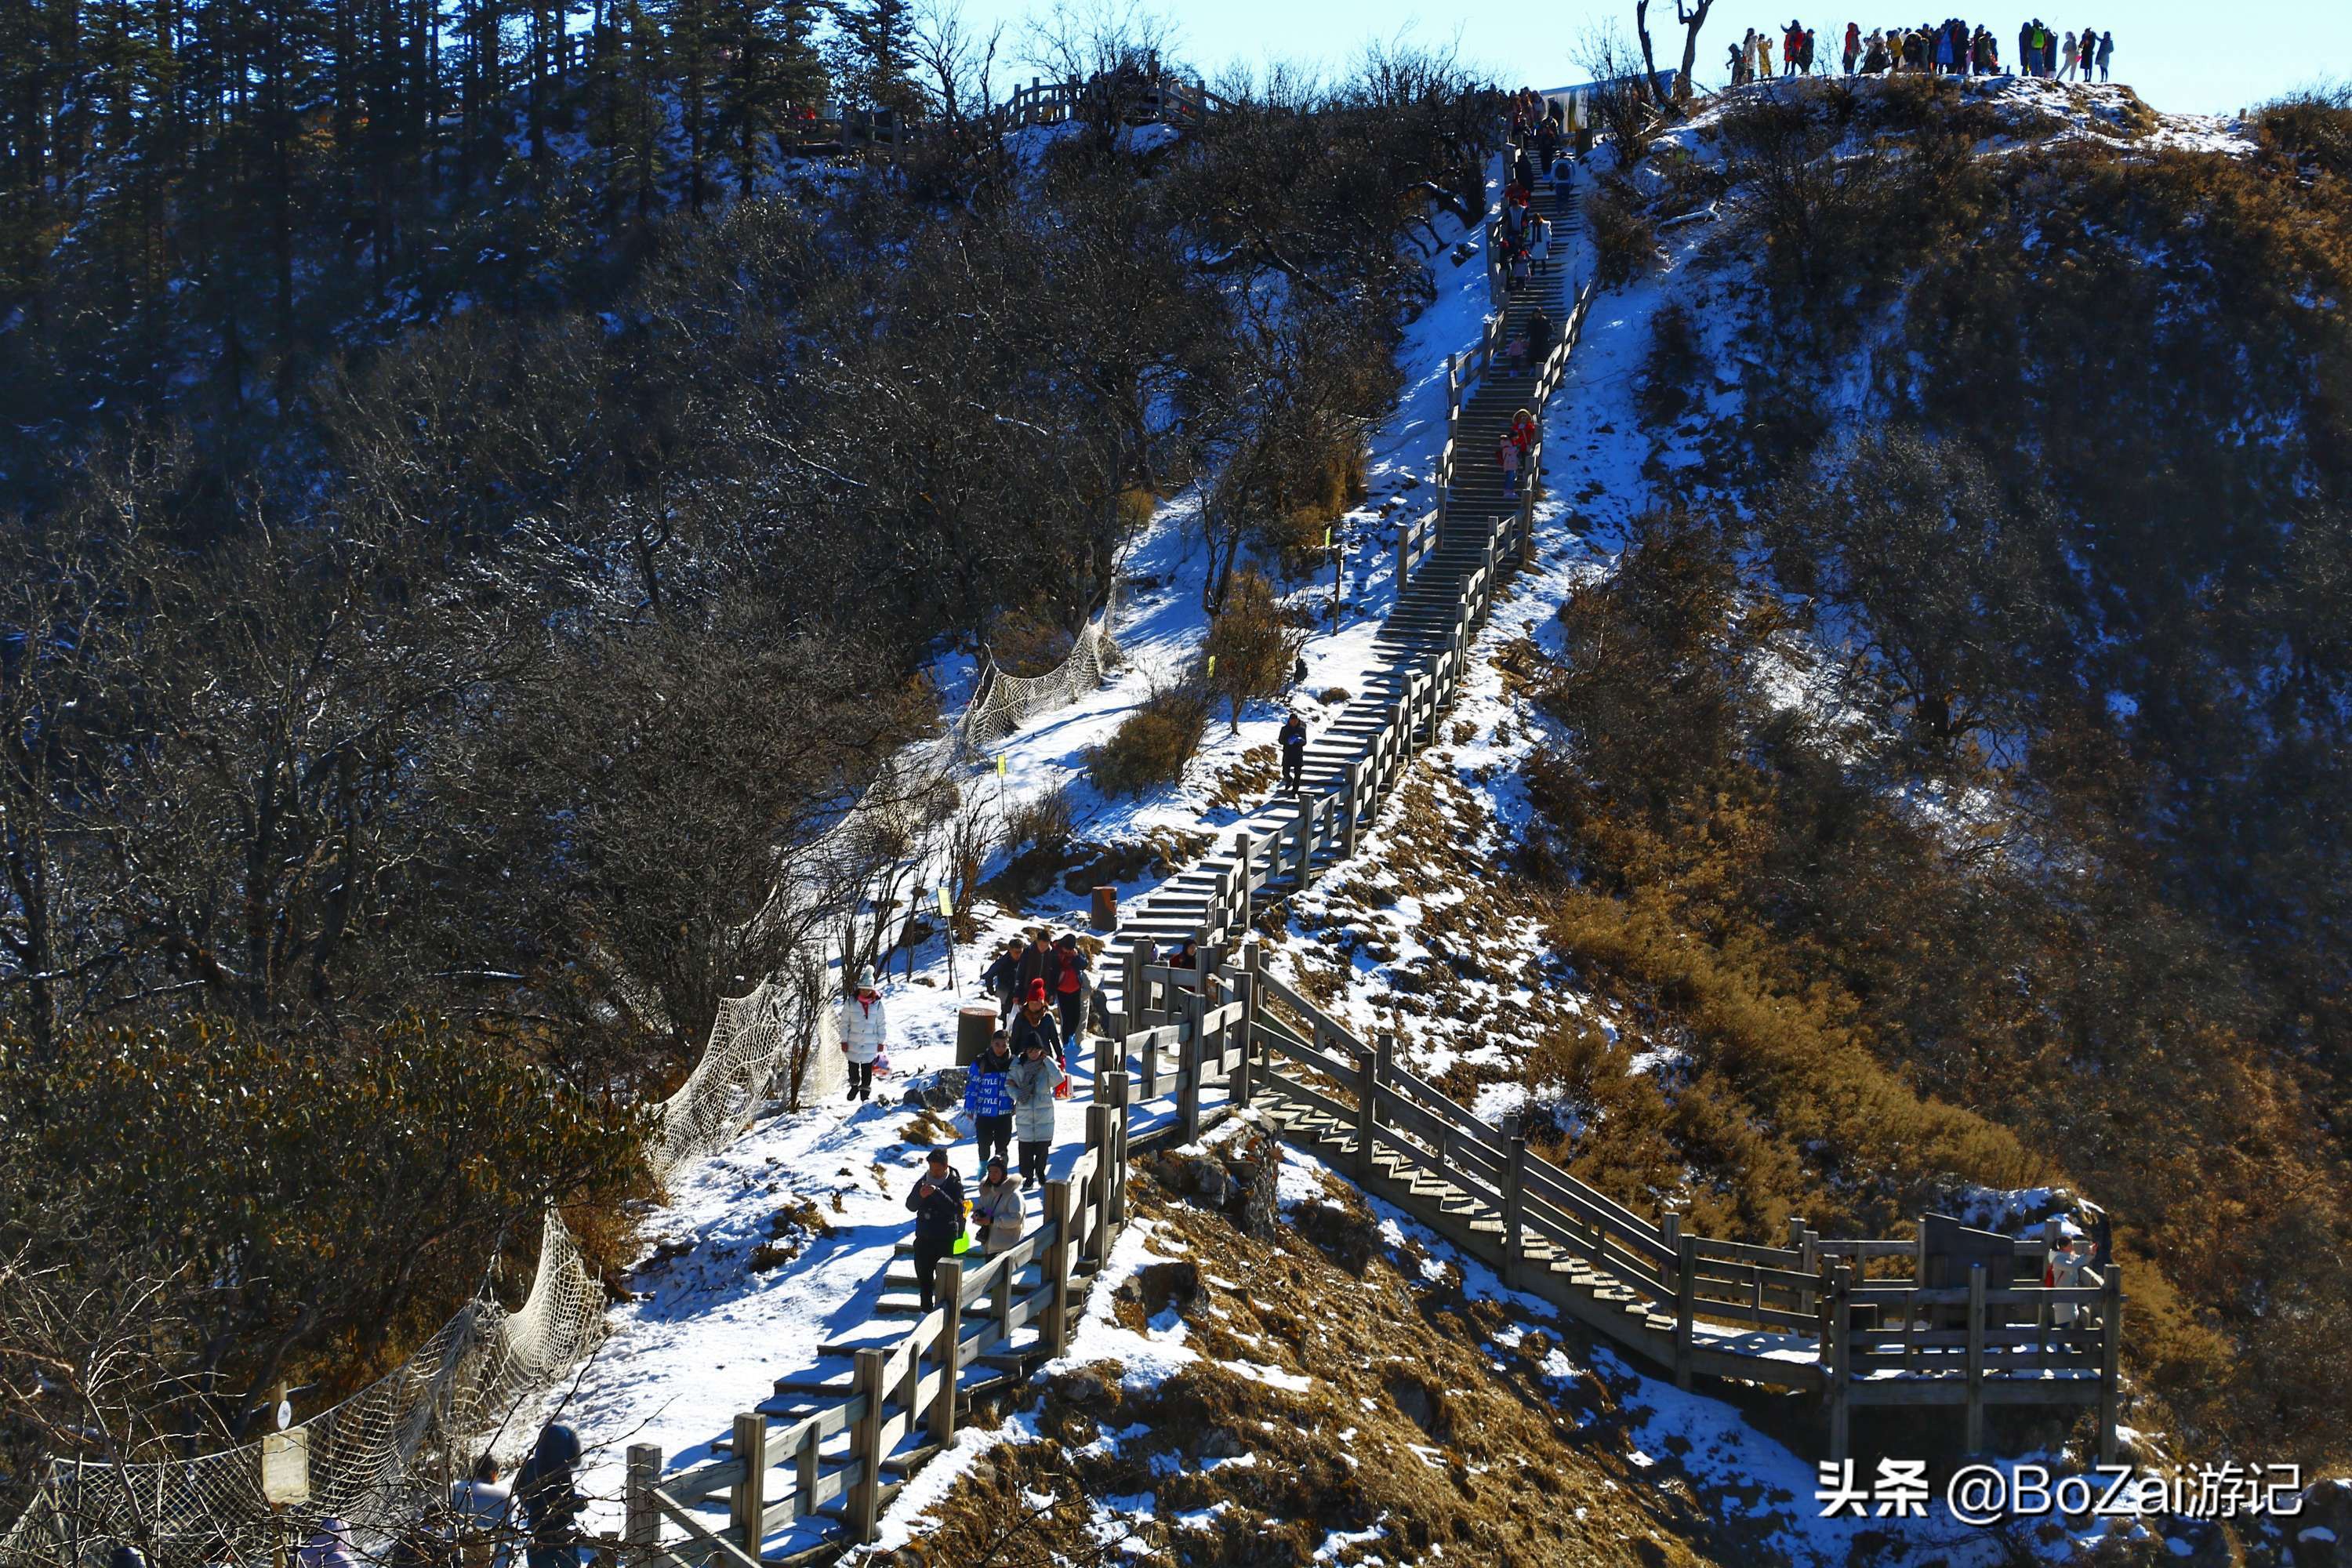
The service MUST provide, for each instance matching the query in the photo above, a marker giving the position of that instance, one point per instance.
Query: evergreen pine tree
(872, 56)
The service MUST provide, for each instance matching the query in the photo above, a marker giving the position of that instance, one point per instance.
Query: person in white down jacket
(864, 1034)
(1031, 1082)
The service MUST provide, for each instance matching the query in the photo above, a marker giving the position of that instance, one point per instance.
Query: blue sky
(2168, 49)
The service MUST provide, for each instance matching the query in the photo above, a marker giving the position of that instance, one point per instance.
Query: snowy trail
(710, 1335)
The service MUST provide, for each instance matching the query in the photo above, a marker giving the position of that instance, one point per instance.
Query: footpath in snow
(711, 1329)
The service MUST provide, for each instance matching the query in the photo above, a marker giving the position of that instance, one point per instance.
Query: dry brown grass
(1152, 745)
(1417, 1424)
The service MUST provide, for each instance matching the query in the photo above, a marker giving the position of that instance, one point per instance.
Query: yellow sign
(1213, 667)
(1327, 539)
(999, 765)
(286, 1466)
(947, 905)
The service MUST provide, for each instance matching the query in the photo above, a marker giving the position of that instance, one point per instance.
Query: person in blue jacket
(989, 1101)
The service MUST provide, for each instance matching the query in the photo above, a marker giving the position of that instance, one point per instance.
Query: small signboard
(286, 1466)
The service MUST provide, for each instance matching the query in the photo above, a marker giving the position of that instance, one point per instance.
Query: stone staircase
(1418, 626)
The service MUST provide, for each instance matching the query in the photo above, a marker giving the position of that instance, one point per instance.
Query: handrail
(900, 1388)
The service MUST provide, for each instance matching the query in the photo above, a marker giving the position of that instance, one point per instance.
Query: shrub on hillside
(1252, 646)
(1836, 220)
(297, 1198)
(1672, 365)
(1153, 744)
(1044, 821)
(2313, 128)
(1893, 996)
(1028, 641)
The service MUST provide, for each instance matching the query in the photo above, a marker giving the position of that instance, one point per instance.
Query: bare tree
(1649, 57)
(1692, 15)
(1624, 101)
(958, 62)
(1114, 48)
(79, 1353)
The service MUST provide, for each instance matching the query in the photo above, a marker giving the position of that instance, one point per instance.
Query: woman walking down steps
(864, 1034)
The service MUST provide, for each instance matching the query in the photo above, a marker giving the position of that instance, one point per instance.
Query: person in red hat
(1036, 1024)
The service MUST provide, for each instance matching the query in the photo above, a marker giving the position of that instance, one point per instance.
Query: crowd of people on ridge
(1951, 48)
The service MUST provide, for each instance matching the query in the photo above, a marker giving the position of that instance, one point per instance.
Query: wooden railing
(1794, 1316)
(1168, 100)
(1223, 1024)
(1416, 537)
(898, 1394)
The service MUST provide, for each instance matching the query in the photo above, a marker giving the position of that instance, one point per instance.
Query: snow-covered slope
(714, 1323)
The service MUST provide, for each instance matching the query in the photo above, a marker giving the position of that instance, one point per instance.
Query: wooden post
(1404, 547)
(1058, 1208)
(1243, 1090)
(945, 1350)
(1839, 1361)
(1100, 1119)
(1119, 1176)
(1515, 1219)
(1368, 1089)
(747, 1502)
(865, 1446)
(1003, 1304)
(1132, 997)
(1975, 1424)
(1354, 807)
(1190, 1051)
(1243, 849)
(1304, 830)
(2111, 1345)
(642, 1529)
(805, 1470)
(1104, 912)
(1686, 1305)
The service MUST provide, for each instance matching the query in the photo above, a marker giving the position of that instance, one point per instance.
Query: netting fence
(752, 1051)
(1002, 703)
(386, 1456)
(377, 1460)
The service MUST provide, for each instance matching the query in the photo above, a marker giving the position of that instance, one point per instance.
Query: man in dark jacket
(1001, 979)
(551, 1503)
(937, 1205)
(1293, 751)
(1036, 964)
